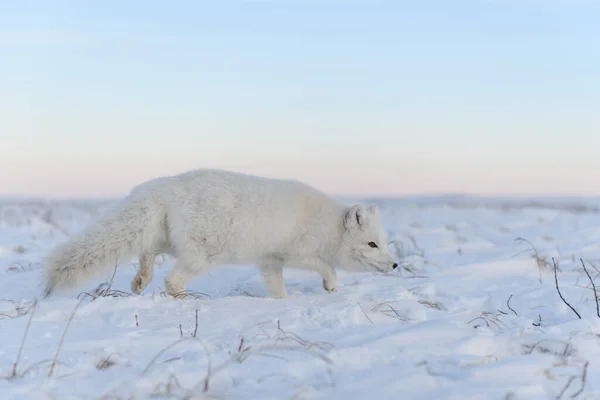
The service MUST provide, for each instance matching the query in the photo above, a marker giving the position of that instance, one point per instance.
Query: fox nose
(394, 266)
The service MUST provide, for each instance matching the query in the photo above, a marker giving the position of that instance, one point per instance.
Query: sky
(382, 98)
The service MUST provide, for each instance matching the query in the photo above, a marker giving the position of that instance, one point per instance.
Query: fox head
(364, 242)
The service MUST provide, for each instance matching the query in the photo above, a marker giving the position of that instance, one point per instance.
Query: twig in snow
(104, 289)
(245, 351)
(62, 339)
(567, 386)
(196, 328)
(539, 260)
(488, 317)
(377, 308)
(161, 352)
(14, 370)
(106, 362)
(365, 313)
(593, 288)
(583, 379)
(558, 290)
(508, 305)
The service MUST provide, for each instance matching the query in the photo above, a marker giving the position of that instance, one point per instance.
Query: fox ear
(354, 217)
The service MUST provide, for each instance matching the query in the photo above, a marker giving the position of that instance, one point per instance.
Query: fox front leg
(323, 268)
(329, 279)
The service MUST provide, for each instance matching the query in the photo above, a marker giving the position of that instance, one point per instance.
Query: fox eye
(373, 245)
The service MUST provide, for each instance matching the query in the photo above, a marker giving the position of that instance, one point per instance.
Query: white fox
(209, 217)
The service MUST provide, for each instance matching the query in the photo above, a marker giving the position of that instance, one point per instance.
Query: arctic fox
(209, 217)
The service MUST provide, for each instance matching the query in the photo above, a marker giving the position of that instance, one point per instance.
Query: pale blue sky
(397, 97)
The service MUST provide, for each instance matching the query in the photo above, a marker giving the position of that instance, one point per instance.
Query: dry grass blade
(106, 362)
(151, 363)
(186, 294)
(558, 290)
(432, 304)
(361, 309)
(15, 365)
(541, 261)
(489, 318)
(104, 290)
(19, 310)
(391, 310)
(593, 288)
(509, 307)
(297, 344)
(583, 379)
(62, 339)
(567, 386)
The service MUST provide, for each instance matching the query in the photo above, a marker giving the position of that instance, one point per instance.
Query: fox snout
(387, 267)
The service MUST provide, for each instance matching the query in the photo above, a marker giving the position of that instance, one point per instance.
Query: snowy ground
(472, 314)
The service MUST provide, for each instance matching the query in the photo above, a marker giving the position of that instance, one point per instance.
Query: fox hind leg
(183, 271)
(272, 273)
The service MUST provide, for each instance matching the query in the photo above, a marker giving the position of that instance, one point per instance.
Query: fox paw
(329, 286)
(138, 284)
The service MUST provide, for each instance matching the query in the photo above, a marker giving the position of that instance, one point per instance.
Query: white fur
(209, 217)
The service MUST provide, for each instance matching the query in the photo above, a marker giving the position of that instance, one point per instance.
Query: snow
(472, 314)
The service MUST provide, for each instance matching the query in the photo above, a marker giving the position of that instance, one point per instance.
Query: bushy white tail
(131, 228)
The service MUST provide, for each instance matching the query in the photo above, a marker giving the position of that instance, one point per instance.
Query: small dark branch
(567, 386)
(160, 353)
(539, 260)
(377, 308)
(31, 367)
(137, 322)
(14, 370)
(583, 379)
(476, 318)
(112, 278)
(241, 345)
(558, 290)
(531, 347)
(196, 328)
(593, 288)
(539, 321)
(180, 332)
(209, 368)
(394, 310)
(62, 339)
(508, 305)
(370, 320)
(520, 239)
(171, 359)
(593, 266)
(566, 350)
(106, 362)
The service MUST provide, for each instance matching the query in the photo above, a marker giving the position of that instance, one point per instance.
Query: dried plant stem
(558, 290)
(196, 327)
(370, 320)
(509, 307)
(14, 370)
(593, 288)
(161, 352)
(62, 339)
